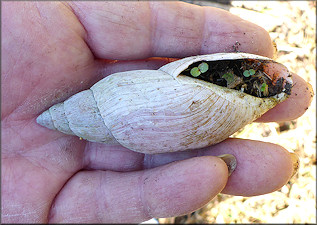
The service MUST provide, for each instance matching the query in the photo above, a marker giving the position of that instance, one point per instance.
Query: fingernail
(295, 160)
(230, 160)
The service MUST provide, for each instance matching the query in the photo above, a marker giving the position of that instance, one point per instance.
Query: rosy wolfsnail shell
(156, 111)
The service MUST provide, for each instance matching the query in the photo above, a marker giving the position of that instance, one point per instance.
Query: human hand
(51, 51)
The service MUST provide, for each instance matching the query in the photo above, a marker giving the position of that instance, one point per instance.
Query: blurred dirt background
(292, 25)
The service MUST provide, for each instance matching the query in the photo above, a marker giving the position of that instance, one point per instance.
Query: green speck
(263, 87)
(195, 72)
(246, 73)
(252, 71)
(203, 67)
(228, 77)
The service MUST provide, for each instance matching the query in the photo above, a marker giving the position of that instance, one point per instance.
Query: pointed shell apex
(45, 120)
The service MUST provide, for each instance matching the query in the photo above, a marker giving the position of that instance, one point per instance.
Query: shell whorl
(80, 116)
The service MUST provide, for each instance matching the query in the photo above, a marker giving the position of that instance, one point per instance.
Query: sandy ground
(292, 25)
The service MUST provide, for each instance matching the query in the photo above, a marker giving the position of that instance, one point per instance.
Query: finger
(167, 29)
(261, 167)
(295, 106)
(99, 156)
(112, 197)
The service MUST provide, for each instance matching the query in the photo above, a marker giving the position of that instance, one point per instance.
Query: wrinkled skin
(52, 50)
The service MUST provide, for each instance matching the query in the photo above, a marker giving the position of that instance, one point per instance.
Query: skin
(52, 50)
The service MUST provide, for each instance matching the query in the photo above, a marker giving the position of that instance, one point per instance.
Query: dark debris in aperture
(245, 75)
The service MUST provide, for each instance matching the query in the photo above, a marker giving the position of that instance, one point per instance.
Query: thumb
(112, 197)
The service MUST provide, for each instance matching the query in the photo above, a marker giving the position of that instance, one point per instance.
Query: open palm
(53, 50)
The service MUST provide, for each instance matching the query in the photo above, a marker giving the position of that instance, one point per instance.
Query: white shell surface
(171, 116)
(84, 118)
(59, 119)
(78, 116)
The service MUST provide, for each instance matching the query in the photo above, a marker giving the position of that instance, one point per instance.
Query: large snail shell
(156, 111)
